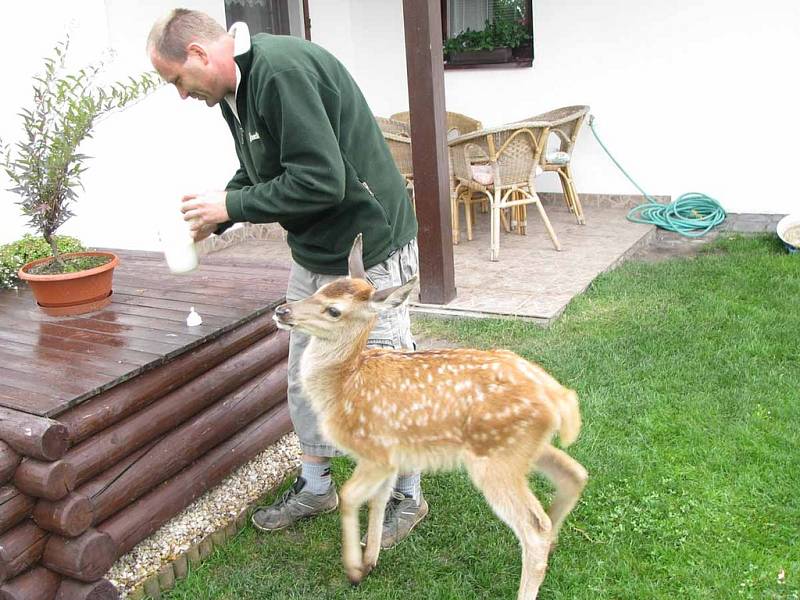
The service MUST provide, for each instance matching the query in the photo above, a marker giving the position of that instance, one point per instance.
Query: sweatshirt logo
(254, 136)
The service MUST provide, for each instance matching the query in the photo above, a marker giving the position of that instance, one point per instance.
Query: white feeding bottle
(177, 243)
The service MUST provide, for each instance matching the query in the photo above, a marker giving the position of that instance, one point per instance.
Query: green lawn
(689, 375)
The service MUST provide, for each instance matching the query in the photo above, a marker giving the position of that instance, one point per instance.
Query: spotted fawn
(394, 411)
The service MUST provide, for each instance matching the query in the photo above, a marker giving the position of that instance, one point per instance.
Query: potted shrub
(46, 170)
(493, 44)
(30, 247)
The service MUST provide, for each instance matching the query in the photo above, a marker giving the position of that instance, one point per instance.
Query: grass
(688, 373)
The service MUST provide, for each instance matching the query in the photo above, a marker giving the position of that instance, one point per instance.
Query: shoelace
(288, 495)
(393, 506)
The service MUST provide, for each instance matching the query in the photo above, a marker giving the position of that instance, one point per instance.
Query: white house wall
(331, 27)
(146, 156)
(689, 96)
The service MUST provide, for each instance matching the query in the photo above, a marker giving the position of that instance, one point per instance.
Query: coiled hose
(692, 214)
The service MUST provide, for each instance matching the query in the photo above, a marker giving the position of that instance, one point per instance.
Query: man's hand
(202, 232)
(204, 212)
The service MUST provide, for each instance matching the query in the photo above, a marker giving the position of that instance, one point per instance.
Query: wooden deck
(49, 364)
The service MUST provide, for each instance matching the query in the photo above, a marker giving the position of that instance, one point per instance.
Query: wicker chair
(513, 154)
(457, 124)
(393, 126)
(563, 124)
(398, 138)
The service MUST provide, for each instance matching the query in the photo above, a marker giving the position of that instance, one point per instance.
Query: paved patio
(531, 280)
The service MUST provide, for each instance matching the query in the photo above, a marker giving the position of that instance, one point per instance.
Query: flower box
(476, 57)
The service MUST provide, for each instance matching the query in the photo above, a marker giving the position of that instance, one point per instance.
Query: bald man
(313, 159)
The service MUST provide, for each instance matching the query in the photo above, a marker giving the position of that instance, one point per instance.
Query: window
(261, 16)
(487, 33)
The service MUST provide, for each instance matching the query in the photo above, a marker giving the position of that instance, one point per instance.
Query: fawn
(401, 411)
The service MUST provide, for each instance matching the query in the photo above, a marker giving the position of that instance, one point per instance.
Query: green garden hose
(692, 215)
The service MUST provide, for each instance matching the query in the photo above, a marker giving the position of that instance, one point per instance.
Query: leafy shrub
(500, 33)
(30, 247)
(45, 166)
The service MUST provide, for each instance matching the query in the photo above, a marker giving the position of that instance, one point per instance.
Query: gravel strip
(211, 512)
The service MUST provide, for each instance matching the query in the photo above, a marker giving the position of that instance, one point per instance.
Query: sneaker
(402, 515)
(293, 505)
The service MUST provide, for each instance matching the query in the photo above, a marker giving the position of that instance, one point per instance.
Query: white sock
(409, 485)
(317, 477)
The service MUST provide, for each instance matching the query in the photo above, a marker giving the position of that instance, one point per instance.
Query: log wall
(79, 490)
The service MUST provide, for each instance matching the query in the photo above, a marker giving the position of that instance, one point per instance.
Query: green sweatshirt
(312, 157)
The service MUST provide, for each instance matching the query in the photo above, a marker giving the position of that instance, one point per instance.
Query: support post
(425, 69)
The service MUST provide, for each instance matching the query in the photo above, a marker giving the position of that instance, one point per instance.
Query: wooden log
(188, 442)
(71, 589)
(151, 588)
(218, 537)
(112, 444)
(166, 577)
(181, 567)
(74, 514)
(20, 548)
(136, 593)
(108, 447)
(70, 516)
(131, 525)
(38, 437)
(112, 406)
(193, 555)
(35, 584)
(86, 558)
(241, 519)
(231, 530)
(117, 487)
(51, 480)
(14, 507)
(206, 547)
(9, 459)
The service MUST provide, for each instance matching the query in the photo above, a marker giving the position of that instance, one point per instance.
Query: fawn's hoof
(366, 569)
(355, 575)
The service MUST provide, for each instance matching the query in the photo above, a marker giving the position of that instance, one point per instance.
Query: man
(313, 159)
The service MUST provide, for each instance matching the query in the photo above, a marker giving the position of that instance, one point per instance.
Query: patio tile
(531, 280)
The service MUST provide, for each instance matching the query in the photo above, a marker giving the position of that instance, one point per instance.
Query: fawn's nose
(283, 311)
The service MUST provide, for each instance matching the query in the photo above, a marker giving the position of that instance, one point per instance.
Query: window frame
(238, 12)
(520, 58)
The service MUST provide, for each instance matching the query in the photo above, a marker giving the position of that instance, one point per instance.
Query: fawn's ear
(392, 297)
(355, 262)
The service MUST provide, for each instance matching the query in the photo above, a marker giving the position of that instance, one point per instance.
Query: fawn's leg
(367, 479)
(507, 492)
(569, 478)
(377, 508)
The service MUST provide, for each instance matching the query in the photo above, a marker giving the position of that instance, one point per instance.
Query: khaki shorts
(392, 330)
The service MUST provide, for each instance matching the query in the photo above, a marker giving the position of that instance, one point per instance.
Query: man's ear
(392, 297)
(198, 51)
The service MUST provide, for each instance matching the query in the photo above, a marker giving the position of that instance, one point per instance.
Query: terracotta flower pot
(72, 293)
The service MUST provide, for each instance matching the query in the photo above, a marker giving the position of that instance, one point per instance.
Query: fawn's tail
(570, 418)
